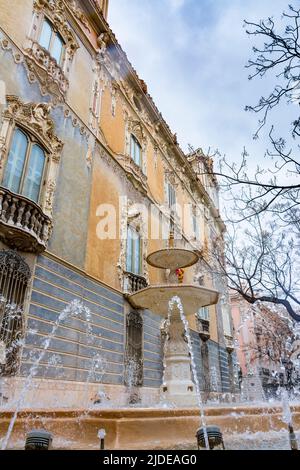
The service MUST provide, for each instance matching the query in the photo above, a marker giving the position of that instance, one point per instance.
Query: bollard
(101, 436)
(38, 439)
(214, 436)
(293, 440)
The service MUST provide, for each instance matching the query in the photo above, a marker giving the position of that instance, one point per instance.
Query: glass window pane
(138, 154)
(57, 48)
(15, 161)
(34, 173)
(45, 37)
(171, 196)
(129, 250)
(203, 313)
(132, 149)
(137, 255)
(135, 150)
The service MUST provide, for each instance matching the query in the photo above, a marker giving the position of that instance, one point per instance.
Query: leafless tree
(259, 264)
(263, 241)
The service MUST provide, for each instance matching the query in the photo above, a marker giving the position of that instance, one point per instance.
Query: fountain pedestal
(178, 387)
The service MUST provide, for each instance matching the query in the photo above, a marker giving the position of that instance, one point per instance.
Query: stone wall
(153, 363)
(55, 285)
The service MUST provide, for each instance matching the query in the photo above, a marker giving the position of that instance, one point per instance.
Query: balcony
(23, 225)
(134, 173)
(133, 283)
(229, 343)
(203, 328)
(50, 74)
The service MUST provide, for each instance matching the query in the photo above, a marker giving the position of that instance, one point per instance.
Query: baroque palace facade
(90, 174)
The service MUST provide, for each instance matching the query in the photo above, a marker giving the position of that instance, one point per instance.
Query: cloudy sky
(192, 54)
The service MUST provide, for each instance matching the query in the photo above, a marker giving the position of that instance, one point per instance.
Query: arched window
(51, 40)
(25, 166)
(134, 350)
(14, 278)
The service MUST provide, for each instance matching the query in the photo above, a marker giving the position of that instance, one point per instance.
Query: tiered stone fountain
(178, 387)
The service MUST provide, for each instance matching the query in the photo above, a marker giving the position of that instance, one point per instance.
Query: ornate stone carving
(135, 127)
(43, 67)
(134, 351)
(134, 173)
(50, 196)
(77, 12)
(171, 177)
(36, 118)
(135, 318)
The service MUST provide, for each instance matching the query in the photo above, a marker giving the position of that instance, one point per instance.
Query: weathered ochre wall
(113, 127)
(80, 90)
(16, 25)
(103, 255)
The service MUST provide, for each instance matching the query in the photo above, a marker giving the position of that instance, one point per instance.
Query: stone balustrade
(203, 326)
(229, 344)
(133, 283)
(134, 173)
(23, 225)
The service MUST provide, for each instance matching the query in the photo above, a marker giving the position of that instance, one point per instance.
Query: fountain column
(178, 386)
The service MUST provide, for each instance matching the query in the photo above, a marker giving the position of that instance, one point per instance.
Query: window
(52, 41)
(134, 258)
(14, 278)
(25, 166)
(135, 150)
(171, 196)
(203, 313)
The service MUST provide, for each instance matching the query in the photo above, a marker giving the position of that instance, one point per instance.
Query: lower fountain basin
(157, 298)
(150, 428)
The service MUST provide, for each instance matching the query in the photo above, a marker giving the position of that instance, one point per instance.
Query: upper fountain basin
(172, 258)
(157, 298)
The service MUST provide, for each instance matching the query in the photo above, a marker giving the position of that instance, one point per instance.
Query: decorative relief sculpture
(77, 12)
(36, 118)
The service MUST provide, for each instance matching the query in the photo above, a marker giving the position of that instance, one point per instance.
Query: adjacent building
(267, 349)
